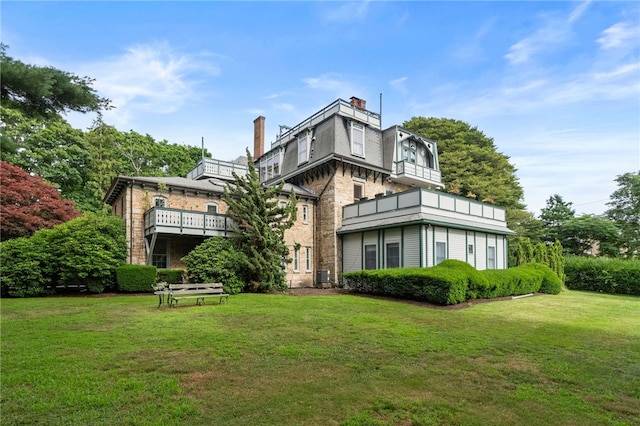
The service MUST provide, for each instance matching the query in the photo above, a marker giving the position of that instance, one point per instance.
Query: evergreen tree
(624, 211)
(260, 222)
(553, 216)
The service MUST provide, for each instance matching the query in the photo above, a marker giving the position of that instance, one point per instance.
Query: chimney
(258, 137)
(358, 103)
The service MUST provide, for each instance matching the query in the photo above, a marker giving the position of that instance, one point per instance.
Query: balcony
(425, 206)
(210, 168)
(412, 174)
(186, 222)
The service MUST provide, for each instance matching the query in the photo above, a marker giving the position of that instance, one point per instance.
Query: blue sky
(556, 84)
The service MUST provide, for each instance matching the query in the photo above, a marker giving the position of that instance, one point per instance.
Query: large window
(370, 258)
(296, 260)
(491, 257)
(303, 148)
(393, 255)
(441, 252)
(357, 139)
(308, 259)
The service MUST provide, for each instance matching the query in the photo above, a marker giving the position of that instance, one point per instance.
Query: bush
(23, 271)
(136, 278)
(170, 276)
(444, 284)
(216, 260)
(523, 279)
(454, 281)
(615, 276)
(88, 250)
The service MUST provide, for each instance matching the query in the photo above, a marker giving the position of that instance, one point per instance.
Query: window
(303, 148)
(491, 257)
(370, 258)
(357, 139)
(159, 258)
(441, 252)
(393, 255)
(212, 208)
(470, 249)
(357, 191)
(308, 259)
(296, 260)
(159, 201)
(305, 214)
(409, 152)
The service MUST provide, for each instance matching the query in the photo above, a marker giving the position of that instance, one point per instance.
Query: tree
(553, 216)
(589, 235)
(216, 260)
(28, 204)
(624, 211)
(45, 92)
(469, 161)
(260, 222)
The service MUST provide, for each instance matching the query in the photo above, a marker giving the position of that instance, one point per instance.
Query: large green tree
(624, 211)
(589, 235)
(556, 212)
(469, 161)
(260, 221)
(45, 92)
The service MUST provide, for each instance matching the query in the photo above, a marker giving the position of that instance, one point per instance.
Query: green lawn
(570, 359)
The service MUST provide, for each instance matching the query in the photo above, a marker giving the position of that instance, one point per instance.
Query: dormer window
(303, 148)
(357, 139)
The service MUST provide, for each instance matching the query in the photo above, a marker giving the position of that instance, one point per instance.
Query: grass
(571, 359)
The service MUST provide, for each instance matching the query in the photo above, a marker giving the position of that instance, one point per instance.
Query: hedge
(454, 281)
(170, 276)
(615, 276)
(136, 278)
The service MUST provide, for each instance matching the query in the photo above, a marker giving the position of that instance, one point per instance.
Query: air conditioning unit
(323, 279)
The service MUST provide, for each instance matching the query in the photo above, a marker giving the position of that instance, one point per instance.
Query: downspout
(131, 223)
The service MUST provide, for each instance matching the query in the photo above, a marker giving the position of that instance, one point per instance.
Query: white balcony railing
(176, 221)
(421, 173)
(216, 168)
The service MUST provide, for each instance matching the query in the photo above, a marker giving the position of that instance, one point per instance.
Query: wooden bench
(198, 291)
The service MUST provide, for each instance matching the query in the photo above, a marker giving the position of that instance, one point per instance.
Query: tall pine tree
(260, 223)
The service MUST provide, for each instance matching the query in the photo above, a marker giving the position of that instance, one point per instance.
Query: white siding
(471, 257)
(411, 248)
(457, 247)
(351, 252)
(481, 251)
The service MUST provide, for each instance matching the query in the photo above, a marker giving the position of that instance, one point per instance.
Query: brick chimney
(358, 103)
(258, 137)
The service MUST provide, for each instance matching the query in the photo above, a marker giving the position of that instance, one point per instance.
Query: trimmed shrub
(136, 278)
(444, 285)
(523, 279)
(216, 260)
(170, 276)
(615, 276)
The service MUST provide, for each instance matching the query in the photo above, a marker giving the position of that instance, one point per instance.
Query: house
(368, 198)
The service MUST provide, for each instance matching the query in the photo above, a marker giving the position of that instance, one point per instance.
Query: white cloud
(336, 84)
(620, 35)
(549, 37)
(149, 79)
(579, 11)
(347, 11)
(399, 84)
